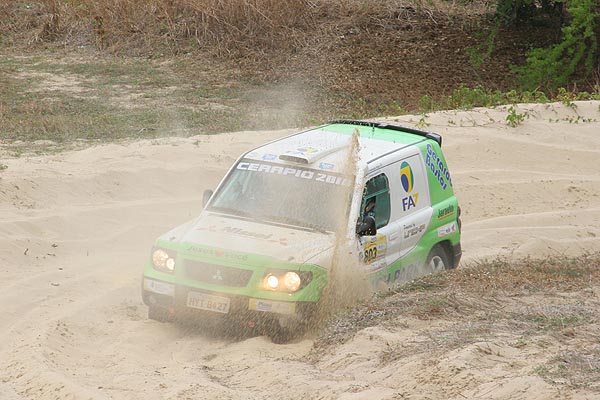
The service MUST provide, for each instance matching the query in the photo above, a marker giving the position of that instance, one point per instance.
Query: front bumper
(182, 302)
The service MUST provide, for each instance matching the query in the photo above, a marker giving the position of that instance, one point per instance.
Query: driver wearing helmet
(365, 227)
(369, 210)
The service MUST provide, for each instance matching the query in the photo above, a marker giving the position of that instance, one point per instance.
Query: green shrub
(575, 55)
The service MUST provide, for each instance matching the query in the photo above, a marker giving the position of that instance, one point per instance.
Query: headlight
(163, 261)
(272, 282)
(291, 281)
(286, 281)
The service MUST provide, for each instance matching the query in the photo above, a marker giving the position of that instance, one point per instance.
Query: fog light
(170, 264)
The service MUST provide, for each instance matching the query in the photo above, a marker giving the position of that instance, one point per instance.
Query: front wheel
(437, 261)
(159, 314)
(289, 329)
(284, 335)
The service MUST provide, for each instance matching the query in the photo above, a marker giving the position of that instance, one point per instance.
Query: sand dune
(75, 228)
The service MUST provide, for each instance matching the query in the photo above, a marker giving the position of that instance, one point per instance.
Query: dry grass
(142, 26)
(526, 276)
(331, 58)
(473, 303)
(221, 27)
(282, 63)
(348, 58)
(555, 316)
(576, 368)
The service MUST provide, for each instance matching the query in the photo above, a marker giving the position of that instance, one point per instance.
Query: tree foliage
(574, 56)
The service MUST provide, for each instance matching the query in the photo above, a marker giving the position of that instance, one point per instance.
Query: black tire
(438, 259)
(285, 334)
(159, 314)
(281, 335)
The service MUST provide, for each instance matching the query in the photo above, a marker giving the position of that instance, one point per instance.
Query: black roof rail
(385, 125)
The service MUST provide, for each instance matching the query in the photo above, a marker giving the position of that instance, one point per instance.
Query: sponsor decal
(303, 151)
(216, 252)
(244, 233)
(380, 281)
(410, 201)
(159, 287)
(413, 229)
(373, 248)
(437, 168)
(447, 229)
(406, 177)
(269, 157)
(446, 212)
(408, 180)
(377, 265)
(324, 165)
(271, 306)
(263, 306)
(300, 173)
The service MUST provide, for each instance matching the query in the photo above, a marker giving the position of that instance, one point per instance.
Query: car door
(376, 202)
(411, 212)
(402, 211)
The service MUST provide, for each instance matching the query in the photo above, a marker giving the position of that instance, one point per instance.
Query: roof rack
(385, 125)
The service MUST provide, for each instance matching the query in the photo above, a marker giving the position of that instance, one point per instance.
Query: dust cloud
(347, 280)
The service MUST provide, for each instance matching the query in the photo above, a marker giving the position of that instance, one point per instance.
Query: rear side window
(376, 200)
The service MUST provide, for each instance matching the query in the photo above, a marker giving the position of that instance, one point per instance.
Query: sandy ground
(75, 228)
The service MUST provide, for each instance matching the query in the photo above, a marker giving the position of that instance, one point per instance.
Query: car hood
(252, 237)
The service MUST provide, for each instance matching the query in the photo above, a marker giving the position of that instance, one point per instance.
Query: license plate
(208, 302)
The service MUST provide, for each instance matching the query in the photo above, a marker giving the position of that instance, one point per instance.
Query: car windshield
(309, 198)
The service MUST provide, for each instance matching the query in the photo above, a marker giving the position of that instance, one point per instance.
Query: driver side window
(376, 200)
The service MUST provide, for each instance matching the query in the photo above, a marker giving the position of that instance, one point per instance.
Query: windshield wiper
(233, 211)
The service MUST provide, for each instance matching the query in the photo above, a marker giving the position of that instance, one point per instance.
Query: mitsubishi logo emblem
(217, 276)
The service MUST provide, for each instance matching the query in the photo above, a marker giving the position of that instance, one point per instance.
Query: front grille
(217, 274)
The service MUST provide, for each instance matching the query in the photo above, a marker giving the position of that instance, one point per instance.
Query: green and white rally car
(261, 249)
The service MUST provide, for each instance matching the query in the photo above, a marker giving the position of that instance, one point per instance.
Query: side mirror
(367, 227)
(206, 197)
